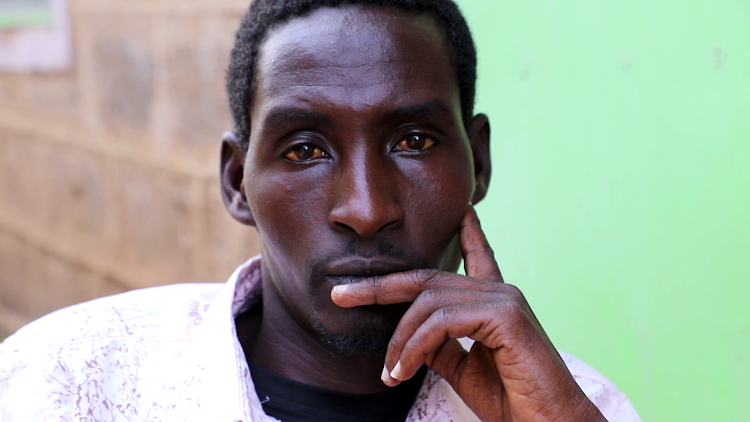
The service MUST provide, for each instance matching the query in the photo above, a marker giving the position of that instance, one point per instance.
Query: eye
(415, 142)
(304, 152)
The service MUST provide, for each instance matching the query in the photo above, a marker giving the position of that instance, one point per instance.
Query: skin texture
(359, 176)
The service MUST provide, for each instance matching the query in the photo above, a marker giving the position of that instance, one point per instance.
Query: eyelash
(428, 140)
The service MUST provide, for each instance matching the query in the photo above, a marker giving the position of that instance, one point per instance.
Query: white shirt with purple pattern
(171, 353)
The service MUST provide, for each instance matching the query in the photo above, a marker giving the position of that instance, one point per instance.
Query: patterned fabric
(171, 354)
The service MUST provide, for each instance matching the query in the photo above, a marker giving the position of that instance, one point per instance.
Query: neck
(273, 340)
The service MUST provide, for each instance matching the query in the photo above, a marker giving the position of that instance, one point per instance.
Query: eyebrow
(425, 109)
(291, 115)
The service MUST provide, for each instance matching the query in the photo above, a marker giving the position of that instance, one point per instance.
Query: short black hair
(263, 15)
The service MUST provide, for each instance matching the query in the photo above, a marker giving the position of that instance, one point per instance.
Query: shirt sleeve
(626, 413)
(613, 403)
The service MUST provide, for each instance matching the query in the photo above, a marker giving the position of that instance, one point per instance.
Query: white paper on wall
(44, 48)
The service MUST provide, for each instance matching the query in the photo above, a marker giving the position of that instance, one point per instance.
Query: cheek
(285, 209)
(437, 202)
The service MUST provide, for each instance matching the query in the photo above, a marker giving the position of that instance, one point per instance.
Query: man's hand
(512, 373)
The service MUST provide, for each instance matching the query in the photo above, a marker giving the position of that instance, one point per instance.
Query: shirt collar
(214, 383)
(212, 380)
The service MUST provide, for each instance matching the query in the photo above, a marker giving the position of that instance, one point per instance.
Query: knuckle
(511, 312)
(511, 290)
(375, 281)
(432, 296)
(395, 342)
(484, 248)
(428, 300)
(445, 315)
(426, 276)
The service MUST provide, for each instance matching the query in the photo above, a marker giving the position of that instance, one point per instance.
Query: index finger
(479, 259)
(404, 287)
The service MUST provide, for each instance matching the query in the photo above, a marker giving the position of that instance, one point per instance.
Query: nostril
(365, 220)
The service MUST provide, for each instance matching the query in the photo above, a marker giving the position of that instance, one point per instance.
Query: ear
(233, 156)
(479, 137)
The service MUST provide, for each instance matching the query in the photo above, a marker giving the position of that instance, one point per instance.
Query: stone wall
(109, 171)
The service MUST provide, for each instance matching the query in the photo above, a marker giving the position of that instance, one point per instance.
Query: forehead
(355, 57)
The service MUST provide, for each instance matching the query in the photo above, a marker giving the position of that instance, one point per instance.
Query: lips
(350, 270)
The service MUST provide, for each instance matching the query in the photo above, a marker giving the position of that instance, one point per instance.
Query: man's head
(264, 15)
(359, 160)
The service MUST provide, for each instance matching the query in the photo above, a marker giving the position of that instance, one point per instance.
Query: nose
(367, 199)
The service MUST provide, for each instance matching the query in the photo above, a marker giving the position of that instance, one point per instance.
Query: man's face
(358, 163)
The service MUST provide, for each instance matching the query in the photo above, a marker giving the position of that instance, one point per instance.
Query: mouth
(352, 270)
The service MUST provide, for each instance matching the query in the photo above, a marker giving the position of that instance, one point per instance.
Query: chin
(366, 330)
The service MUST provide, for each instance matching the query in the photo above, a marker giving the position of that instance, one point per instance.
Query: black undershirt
(292, 401)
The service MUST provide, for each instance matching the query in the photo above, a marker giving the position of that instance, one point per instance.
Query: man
(358, 158)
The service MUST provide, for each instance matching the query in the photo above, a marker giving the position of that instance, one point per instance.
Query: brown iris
(416, 142)
(304, 152)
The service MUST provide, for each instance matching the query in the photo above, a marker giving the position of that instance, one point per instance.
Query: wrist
(587, 412)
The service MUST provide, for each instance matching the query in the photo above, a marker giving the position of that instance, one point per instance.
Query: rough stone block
(156, 222)
(55, 95)
(123, 62)
(55, 283)
(194, 56)
(84, 200)
(25, 185)
(45, 95)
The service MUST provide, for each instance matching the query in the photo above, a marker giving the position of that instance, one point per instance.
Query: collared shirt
(171, 353)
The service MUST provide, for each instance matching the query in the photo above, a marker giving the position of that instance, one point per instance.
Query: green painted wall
(620, 200)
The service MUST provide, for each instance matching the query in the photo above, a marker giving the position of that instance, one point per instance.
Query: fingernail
(387, 380)
(396, 373)
(385, 376)
(340, 289)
